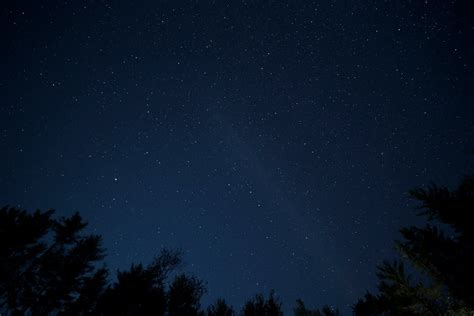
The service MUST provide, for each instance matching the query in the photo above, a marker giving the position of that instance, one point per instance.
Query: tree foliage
(185, 295)
(48, 265)
(326, 310)
(443, 253)
(259, 306)
(220, 308)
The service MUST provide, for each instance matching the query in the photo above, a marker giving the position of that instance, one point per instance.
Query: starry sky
(272, 141)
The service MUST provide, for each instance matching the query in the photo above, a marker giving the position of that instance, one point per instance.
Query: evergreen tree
(184, 296)
(444, 257)
(48, 265)
(447, 258)
(220, 308)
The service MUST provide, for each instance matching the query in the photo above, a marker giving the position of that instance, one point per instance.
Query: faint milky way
(273, 142)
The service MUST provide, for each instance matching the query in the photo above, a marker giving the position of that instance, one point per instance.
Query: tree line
(50, 266)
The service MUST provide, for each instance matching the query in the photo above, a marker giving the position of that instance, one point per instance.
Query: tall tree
(448, 257)
(48, 265)
(443, 251)
(220, 308)
(184, 296)
(140, 290)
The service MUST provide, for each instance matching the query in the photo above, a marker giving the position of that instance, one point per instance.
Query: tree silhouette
(448, 259)
(370, 305)
(184, 296)
(258, 306)
(220, 308)
(140, 290)
(443, 251)
(255, 306)
(47, 265)
(401, 295)
(301, 310)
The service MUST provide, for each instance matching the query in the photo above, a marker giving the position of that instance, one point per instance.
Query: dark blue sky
(274, 142)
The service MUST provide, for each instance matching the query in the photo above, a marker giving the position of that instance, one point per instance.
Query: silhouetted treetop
(259, 306)
(454, 208)
(184, 296)
(443, 254)
(220, 308)
(141, 289)
(301, 310)
(47, 265)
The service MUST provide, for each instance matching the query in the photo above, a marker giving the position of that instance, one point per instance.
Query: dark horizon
(274, 140)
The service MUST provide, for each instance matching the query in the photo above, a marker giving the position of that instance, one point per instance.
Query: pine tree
(443, 253)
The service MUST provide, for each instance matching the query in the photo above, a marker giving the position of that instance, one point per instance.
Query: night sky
(273, 142)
